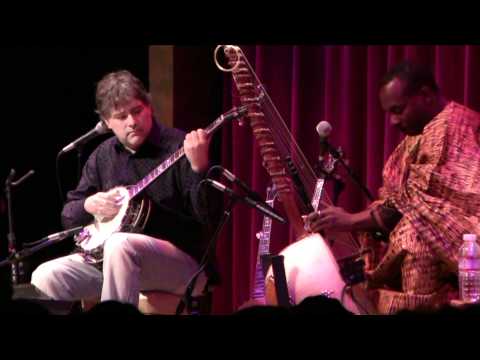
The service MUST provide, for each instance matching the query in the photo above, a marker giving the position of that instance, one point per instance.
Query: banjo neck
(134, 190)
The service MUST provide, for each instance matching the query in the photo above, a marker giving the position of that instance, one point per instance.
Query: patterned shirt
(432, 180)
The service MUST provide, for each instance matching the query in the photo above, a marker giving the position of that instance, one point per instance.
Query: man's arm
(383, 217)
(386, 216)
(74, 213)
(203, 202)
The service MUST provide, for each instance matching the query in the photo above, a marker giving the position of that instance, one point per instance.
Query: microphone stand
(378, 235)
(338, 187)
(338, 184)
(79, 161)
(187, 297)
(17, 257)
(79, 149)
(17, 268)
(337, 156)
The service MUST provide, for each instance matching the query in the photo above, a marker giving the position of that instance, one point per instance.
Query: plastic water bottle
(469, 269)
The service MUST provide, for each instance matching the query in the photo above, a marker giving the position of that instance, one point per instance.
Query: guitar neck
(134, 190)
(264, 242)
(258, 290)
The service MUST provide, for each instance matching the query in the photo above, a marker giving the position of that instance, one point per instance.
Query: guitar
(134, 212)
(257, 296)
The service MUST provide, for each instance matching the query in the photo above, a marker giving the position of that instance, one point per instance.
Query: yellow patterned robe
(433, 179)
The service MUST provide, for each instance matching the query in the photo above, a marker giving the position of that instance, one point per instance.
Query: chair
(157, 302)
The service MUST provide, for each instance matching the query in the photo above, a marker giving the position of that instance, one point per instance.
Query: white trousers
(131, 263)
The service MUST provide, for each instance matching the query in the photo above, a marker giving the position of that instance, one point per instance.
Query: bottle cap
(469, 237)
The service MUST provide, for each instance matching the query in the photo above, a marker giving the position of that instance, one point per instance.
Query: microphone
(99, 129)
(234, 179)
(260, 205)
(40, 244)
(324, 129)
(63, 234)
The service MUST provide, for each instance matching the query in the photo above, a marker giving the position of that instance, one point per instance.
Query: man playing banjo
(165, 252)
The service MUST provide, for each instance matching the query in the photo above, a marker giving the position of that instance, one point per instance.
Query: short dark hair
(116, 89)
(415, 75)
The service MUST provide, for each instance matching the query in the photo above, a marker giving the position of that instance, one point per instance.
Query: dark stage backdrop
(48, 101)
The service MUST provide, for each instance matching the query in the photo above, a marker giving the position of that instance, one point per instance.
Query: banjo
(134, 211)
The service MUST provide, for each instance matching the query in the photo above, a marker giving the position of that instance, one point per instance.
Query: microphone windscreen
(324, 129)
(101, 128)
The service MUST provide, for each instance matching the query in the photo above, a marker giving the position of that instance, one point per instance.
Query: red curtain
(313, 83)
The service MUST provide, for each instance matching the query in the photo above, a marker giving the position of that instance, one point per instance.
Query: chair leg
(201, 305)
(158, 303)
(87, 304)
(162, 303)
